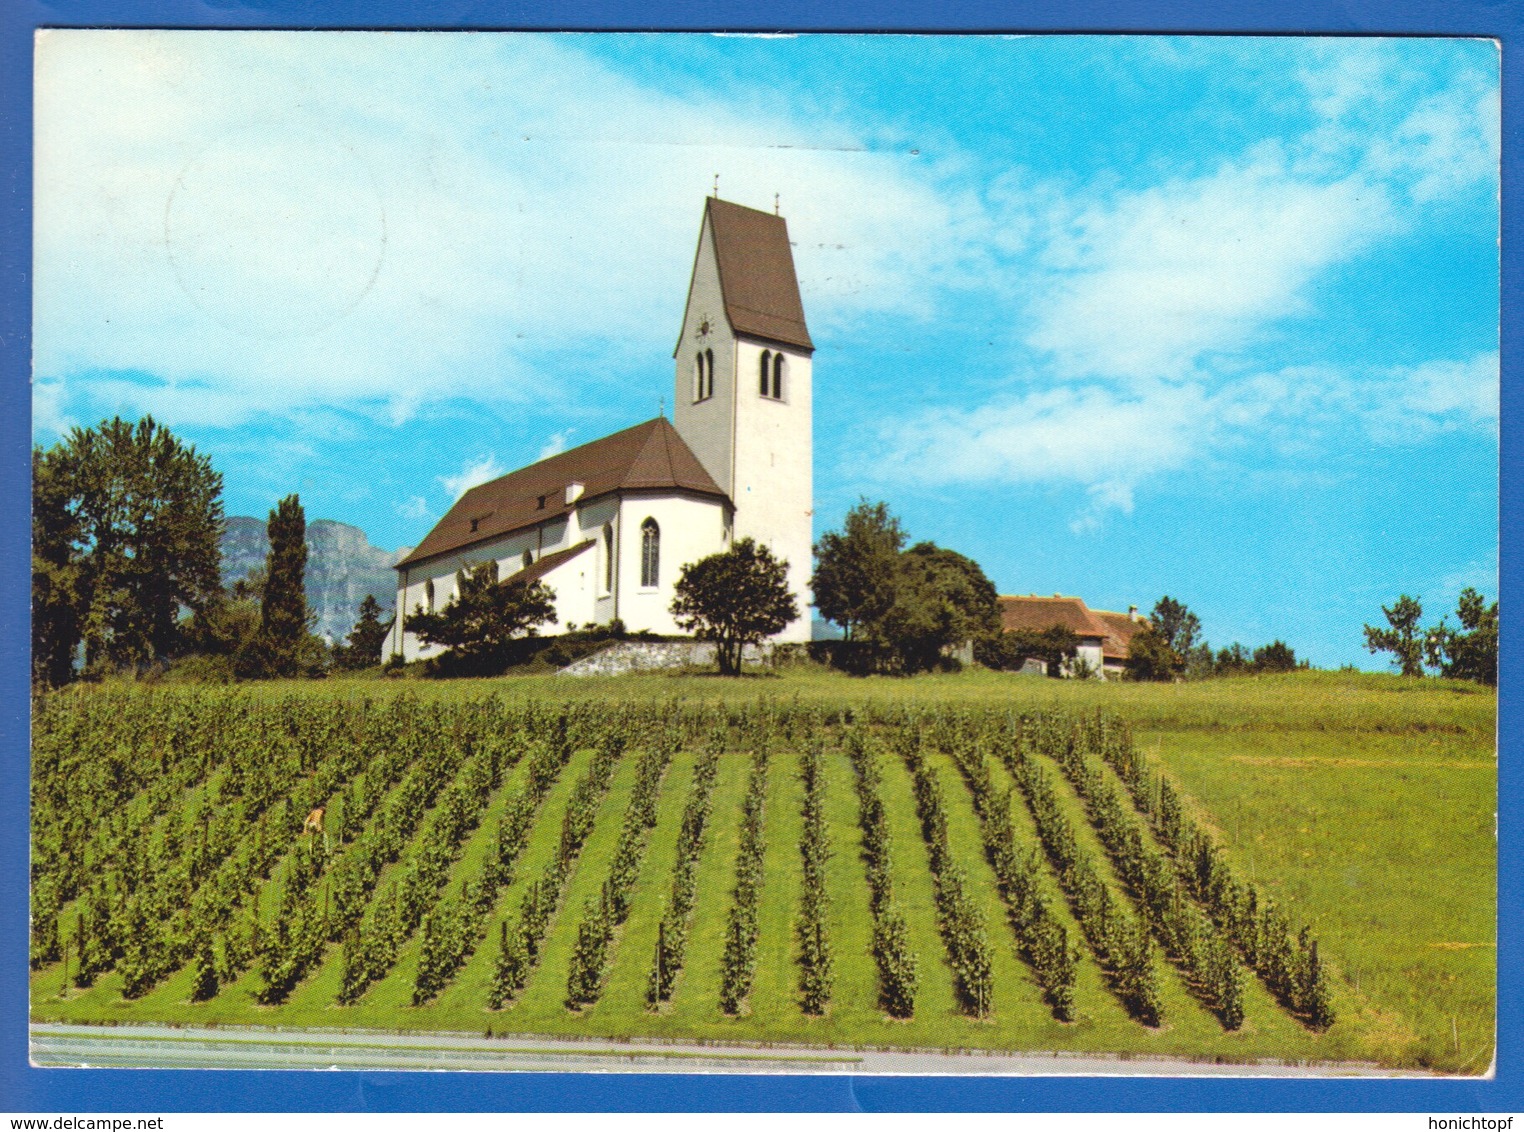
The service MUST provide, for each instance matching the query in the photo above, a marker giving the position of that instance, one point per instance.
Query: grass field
(1363, 805)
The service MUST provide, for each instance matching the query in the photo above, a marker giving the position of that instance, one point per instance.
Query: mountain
(342, 567)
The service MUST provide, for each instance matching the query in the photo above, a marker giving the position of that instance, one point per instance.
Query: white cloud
(1109, 441)
(267, 220)
(1414, 403)
(1091, 435)
(1147, 284)
(415, 508)
(555, 445)
(482, 470)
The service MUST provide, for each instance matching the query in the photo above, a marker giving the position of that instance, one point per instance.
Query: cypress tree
(283, 614)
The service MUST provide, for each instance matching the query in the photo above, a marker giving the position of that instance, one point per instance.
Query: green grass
(1363, 803)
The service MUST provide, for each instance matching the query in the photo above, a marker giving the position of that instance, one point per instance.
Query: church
(609, 525)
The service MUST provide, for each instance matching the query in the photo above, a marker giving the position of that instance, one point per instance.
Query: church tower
(743, 395)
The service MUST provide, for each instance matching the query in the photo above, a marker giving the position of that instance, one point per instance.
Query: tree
(1233, 661)
(900, 609)
(282, 648)
(127, 533)
(365, 640)
(1277, 656)
(1056, 646)
(1403, 638)
(1176, 624)
(56, 579)
(940, 599)
(735, 599)
(855, 569)
(1150, 657)
(1471, 654)
(486, 616)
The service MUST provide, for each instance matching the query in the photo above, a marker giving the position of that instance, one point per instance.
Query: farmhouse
(608, 525)
(1104, 636)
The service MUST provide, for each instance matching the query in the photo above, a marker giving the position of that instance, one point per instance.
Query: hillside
(342, 567)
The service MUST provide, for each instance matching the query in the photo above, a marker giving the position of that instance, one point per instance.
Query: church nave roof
(648, 456)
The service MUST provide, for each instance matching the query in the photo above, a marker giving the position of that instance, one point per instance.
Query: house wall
(1090, 651)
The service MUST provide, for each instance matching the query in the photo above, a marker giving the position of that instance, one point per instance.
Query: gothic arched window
(428, 594)
(778, 377)
(608, 558)
(708, 374)
(698, 376)
(528, 559)
(650, 553)
(766, 371)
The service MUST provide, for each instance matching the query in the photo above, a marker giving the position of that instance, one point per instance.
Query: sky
(1117, 317)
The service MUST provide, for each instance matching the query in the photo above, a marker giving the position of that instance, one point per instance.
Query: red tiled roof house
(1103, 636)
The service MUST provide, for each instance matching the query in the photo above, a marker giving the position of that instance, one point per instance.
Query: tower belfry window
(650, 553)
(770, 375)
(703, 375)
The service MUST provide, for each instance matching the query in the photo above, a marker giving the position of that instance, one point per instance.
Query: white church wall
(774, 490)
(507, 552)
(591, 520)
(690, 528)
(706, 425)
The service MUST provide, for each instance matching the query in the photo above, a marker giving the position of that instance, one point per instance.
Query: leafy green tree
(363, 647)
(899, 609)
(1176, 624)
(1471, 652)
(941, 599)
(56, 572)
(855, 569)
(128, 532)
(1403, 638)
(1277, 656)
(479, 625)
(1056, 647)
(1200, 662)
(283, 617)
(1233, 661)
(1150, 657)
(735, 598)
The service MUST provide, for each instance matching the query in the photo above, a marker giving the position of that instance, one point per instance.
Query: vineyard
(950, 876)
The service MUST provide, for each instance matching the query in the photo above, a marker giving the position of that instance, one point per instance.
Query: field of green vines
(1300, 868)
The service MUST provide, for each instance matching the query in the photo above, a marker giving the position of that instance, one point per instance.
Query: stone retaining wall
(644, 656)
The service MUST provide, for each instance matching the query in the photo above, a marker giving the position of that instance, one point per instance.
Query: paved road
(165, 1047)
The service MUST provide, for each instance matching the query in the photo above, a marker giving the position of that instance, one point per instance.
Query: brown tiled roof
(1039, 613)
(1119, 632)
(650, 455)
(537, 570)
(757, 273)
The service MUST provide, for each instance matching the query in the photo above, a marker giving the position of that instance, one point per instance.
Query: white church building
(609, 525)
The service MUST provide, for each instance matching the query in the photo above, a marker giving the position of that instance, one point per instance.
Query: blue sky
(1115, 316)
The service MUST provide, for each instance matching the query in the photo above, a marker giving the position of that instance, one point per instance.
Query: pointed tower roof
(757, 273)
(650, 455)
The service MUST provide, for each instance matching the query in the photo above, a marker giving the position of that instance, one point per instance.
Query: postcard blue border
(23, 1088)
